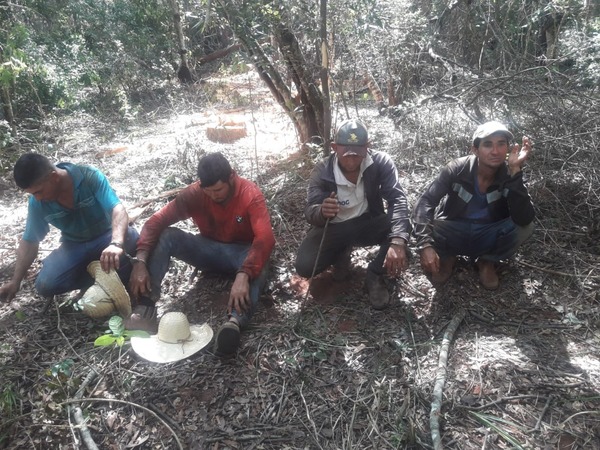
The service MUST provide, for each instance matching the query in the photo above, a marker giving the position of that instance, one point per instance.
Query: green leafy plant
(63, 368)
(117, 334)
(8, 400)
(493, 423)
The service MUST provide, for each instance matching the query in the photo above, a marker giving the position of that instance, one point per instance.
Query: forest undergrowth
(323, 370)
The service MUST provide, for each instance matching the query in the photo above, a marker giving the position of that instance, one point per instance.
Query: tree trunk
(219, 53)
(6, 102)
(325, 79)
(8, 111)
(183, 73)
(307, 108)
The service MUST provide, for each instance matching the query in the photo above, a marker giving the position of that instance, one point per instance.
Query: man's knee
(304, 266)
(45, 285)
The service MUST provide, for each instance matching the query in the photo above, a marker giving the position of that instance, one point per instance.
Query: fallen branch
(499, 402)
(125, 402)
(135, 211)
(440, 380)
(77, 413)
(555, 272)
(509, 323)
(543, 413)
(160, 196)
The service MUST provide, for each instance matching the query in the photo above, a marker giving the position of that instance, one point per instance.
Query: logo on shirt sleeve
(239, 219)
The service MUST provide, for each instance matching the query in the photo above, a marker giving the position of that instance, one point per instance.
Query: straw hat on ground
(106, 295)
(176, 339)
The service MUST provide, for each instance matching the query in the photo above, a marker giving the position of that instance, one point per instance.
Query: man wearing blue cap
(477, 206)
(345, 201)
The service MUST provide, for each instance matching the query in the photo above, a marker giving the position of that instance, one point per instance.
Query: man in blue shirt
(478, 206)
(79, 201)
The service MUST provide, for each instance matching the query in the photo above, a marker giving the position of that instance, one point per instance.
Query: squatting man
(477, 207)
(79, 201)
(345, 202)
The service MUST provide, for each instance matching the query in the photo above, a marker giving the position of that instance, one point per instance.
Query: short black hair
(31, 168)
(213, 168)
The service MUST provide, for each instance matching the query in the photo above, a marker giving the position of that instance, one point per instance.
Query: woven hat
(487, 129)
(106, 295)
(176, 339)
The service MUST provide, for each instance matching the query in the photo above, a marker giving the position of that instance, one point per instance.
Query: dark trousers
(361, 231)
(489, 241)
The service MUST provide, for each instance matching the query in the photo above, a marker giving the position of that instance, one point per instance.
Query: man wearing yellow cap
(345, 202)
(477, 206)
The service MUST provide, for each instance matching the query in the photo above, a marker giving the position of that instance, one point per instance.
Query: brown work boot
(446, 266)
(487, 274)
(378, 293)
(228, 339)
(143, 318)
(341, 268)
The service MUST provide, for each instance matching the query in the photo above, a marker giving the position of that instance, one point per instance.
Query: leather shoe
(446, 267)
(228, 339)
(378, 293)
(143, 318)
(487, 274)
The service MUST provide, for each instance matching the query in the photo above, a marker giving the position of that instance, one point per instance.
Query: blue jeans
(488, 241)
(206, 255)
(65, 269)
(362, 231)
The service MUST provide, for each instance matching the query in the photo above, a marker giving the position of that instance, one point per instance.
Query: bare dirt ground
(318, 371)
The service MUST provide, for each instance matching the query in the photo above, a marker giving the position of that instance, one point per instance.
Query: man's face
(492, 150)
(220, 192)
(46, 189)
(349, 163)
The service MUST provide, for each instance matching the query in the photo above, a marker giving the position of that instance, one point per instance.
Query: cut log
(226, 132)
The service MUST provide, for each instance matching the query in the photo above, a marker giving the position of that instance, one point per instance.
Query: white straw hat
(176, 339)
(106, 295)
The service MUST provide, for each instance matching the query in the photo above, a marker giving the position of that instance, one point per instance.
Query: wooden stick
(112, 400)
(77, 413)
(555, 272)
(440, 380)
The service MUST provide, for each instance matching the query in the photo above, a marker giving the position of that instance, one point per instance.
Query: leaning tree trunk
(325, 79)
(183, 73)
(7, 102)
(306, 109)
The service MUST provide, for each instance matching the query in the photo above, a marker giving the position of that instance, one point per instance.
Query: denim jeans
(488, 241)
(207, 255)
(361, 231)
(65, 269)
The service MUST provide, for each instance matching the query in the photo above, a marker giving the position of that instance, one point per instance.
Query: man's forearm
(120, 222)
(26, 254)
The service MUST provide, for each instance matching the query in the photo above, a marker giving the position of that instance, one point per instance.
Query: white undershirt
(351, 197)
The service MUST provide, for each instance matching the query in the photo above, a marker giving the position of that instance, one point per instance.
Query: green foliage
(117, 334)
(83, 54)
(583, 55)
(495, 423)
(8, 400)
(62, 370)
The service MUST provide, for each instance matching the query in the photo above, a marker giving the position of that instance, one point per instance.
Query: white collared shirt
(351, 197)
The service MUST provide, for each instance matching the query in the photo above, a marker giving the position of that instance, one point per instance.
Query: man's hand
(430, 260)
(518, 155)
(9, 290)
(139, 282)
(110, 258)
(396, 260)
(330, 206)
(239, 297)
